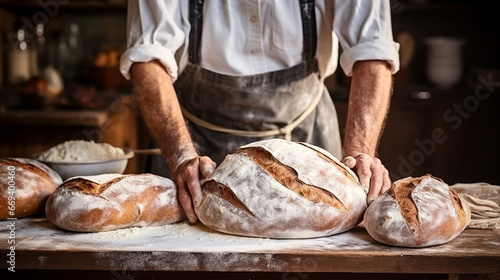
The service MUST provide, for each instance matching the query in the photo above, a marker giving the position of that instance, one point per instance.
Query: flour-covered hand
(372, 174)
(187, 176)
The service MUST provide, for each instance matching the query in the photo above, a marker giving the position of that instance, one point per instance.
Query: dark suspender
(308, 15)
(307, 11)
(196, 20)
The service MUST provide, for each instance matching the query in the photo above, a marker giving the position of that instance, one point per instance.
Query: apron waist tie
(286, 130)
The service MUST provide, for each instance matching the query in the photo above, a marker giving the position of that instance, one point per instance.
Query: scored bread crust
(113, 201)
(281, 189)
(417, 212)
(33, 182)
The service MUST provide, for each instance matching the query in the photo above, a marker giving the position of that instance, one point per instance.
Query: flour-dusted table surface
(185, 247)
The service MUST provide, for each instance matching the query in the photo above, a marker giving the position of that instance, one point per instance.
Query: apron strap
(196, 20)
(286, 130)
(308, 16)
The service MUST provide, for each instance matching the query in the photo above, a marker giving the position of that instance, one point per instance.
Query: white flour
(183, 246)
(39, 233)
(80, 151)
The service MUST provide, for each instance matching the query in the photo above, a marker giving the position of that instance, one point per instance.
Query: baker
(245, 70)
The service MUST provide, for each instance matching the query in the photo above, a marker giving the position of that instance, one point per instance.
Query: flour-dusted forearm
(161, 111)
(162, 114)
(369, 99)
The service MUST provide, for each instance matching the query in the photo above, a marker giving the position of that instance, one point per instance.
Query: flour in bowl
(80, 151)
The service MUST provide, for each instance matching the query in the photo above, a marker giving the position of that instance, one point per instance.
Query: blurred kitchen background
(59, 80)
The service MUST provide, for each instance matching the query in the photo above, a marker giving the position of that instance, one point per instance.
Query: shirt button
(253, 18)
(254, 51)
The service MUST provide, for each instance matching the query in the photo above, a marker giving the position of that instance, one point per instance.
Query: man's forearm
(371, 88)
(160, 109)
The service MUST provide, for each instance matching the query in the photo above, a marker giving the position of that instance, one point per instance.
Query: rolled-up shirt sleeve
(153, 33)
(365, 33)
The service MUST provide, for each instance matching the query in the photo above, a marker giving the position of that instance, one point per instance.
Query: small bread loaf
(281, 189)
(113, 201)
(417, 212)
(29, 183)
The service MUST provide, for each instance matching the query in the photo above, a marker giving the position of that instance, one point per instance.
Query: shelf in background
(18, 7)
(437, 7)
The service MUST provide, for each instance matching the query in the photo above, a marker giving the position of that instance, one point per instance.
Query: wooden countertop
(185, 247)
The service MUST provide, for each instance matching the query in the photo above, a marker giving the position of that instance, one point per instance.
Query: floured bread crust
(417, 212)
(281, 189)
(113, 201)
(33, 182)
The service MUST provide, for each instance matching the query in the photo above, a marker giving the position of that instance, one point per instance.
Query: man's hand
(372, 174)
(187, 176)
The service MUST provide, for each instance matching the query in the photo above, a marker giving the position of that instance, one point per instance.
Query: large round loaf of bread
(29, 183)
(113, 201)
(417, 212)
(281, 189)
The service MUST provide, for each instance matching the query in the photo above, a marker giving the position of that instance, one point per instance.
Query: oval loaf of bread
(281, 189)
(113, 201)
(417, 212)
(30, 181)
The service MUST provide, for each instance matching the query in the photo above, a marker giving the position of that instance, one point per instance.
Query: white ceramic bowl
(71, 169)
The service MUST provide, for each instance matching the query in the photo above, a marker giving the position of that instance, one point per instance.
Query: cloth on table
(484, 202)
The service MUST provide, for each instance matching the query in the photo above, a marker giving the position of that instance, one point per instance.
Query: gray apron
(267, 102)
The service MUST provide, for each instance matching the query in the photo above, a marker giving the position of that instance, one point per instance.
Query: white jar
(444, 61)
(18, 58)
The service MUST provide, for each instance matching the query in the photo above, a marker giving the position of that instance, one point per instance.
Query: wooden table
(183, 247)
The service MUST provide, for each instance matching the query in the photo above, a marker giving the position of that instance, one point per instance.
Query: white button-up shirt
(248, 37)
